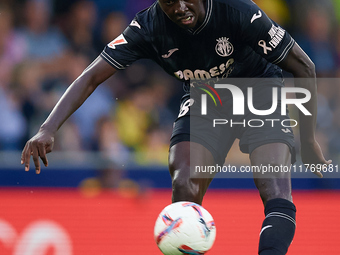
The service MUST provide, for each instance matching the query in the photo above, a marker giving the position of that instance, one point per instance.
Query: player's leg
(277, 184)
(278, 228)
(188, 185)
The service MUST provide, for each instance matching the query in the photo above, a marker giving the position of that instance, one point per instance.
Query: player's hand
(311, 154)
(38, 146)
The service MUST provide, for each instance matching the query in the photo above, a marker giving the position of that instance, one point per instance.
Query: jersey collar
(206, 19)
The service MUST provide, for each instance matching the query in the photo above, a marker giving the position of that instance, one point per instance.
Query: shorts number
(185, 107)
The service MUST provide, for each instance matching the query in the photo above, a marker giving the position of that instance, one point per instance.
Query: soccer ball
(184, 228)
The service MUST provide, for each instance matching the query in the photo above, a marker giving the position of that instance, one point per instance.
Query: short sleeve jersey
(236, 39)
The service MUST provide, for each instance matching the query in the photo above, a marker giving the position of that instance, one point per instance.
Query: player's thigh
(187, 183)
(187, 155)
(273, 179)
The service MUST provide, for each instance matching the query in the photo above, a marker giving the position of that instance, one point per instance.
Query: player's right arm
(131, 45)
(300, 65)
(42, 143)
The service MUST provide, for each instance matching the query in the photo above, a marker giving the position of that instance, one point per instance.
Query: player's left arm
(303, 69)
(273, 43)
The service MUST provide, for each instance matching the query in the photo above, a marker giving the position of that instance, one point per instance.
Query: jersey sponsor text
(222, 71)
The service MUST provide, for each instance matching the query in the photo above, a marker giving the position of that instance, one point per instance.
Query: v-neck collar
(206, 19)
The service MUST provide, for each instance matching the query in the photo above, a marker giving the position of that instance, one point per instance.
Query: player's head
(187, 14)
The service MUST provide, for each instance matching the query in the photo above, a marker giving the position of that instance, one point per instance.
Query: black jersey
(236, 39)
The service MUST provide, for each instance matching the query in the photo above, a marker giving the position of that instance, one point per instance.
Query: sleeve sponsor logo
(118, 41)
(276, 34)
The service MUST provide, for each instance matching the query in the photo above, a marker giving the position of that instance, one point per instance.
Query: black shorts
(252, 130)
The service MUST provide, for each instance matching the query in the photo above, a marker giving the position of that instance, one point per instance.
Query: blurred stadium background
(108, 180)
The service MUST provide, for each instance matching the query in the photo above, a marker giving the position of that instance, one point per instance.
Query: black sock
(278, 227)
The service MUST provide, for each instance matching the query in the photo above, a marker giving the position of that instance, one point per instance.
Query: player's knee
(273, 188)
(185, 189)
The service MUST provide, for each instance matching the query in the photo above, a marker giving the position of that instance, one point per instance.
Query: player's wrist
(46, 128)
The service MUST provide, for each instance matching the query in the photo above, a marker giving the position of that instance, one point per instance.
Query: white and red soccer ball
(184, 228)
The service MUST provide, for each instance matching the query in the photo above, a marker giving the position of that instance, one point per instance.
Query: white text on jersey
(277, 34)
(221, 71)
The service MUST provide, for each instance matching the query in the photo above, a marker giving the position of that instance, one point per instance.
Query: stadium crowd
(46, 44)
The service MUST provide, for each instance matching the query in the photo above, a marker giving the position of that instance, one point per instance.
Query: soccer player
(194, 40)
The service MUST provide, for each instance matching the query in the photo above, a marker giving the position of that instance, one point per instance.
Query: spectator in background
(81, 20)
(318, 41)
(110, 144)
(315, 32)
(133, 117)
(155, 149)
(12, 124)
(139, 118)
(112, 26)
(115, 155)
(12, 52)
(35, 102)
(70, 139)
(46, 43)
(163, 90)
(13, 48)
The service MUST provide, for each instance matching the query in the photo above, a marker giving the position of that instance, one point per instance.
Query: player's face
(186, 14)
